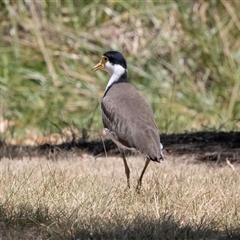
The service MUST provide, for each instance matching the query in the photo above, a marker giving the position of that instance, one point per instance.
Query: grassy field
(86, 198)
(183, 56)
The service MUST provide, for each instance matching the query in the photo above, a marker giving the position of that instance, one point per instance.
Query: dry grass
(85, 198)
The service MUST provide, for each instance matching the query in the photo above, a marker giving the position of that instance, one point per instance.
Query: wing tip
(158, 159)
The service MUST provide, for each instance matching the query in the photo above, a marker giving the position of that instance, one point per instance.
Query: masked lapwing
(126, 116)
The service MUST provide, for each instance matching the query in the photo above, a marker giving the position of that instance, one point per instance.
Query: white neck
(116, 71)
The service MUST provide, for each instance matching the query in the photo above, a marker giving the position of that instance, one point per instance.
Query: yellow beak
(100, 66)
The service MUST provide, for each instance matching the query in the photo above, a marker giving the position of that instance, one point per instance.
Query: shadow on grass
(27, 222)
(206, 146)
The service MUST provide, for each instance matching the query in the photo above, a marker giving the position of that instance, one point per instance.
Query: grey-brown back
(126, 113)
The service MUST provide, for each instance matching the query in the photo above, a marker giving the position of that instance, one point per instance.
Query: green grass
(84, 198)
(183, 56)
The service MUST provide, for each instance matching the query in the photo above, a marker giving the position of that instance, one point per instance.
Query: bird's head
(111, 62)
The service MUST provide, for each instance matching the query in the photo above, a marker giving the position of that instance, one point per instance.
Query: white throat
(116, 71)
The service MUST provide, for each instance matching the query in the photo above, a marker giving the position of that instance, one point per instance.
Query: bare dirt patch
(204, 146)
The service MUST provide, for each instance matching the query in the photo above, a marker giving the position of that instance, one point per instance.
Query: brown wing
(130, 118)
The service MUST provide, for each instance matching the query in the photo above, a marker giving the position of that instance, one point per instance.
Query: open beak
(100, 66)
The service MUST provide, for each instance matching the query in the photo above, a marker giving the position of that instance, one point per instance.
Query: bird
(127, 118)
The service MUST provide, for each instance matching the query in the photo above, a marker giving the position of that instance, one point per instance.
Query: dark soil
(205, 146)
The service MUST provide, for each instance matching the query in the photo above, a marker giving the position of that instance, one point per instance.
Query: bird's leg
(127, 170)
(141, 176)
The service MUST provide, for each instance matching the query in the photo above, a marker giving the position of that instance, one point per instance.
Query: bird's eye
(105, 59)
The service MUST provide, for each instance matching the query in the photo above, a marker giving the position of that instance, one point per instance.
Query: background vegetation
(183, 56)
